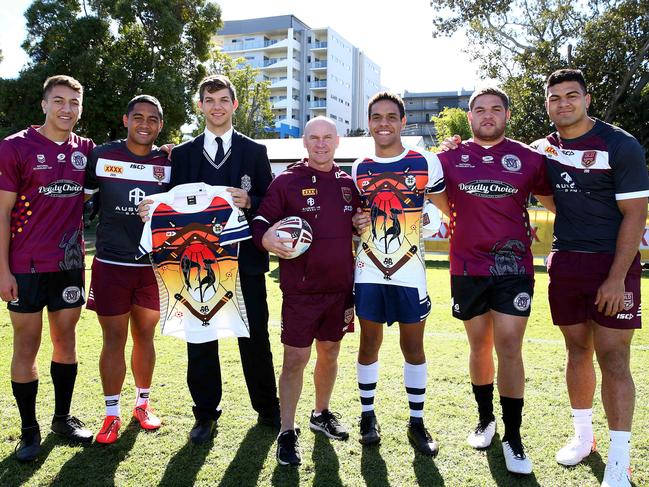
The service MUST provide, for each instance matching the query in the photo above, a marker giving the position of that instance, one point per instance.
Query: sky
(399, 40)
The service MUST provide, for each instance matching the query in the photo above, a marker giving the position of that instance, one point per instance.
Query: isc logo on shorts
(522, 301)
(625, 316)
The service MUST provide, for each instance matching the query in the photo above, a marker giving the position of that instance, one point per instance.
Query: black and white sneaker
(483, 434)
(328, 423)
(288, 448)
(515, 458)
(71, 428)
(421, 439)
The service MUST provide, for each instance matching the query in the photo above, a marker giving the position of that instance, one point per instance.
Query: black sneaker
(30, 444)
(71, 428)
(288, 448)
(421, 439)
(328, 423)
(370, 430)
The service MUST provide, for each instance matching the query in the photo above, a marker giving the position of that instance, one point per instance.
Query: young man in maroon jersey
(42, 172)
(601, 186)
(124, 290)
(316, 286)
(489, 179)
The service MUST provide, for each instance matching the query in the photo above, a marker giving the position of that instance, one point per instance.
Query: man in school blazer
(222, 156)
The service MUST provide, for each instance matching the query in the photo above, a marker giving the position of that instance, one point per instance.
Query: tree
(254, 115)
(358, 132)
(519, 42)
(117, 50)
(451, 121)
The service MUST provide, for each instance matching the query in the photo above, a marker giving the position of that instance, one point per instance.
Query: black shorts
(56, 290)
(475, 295)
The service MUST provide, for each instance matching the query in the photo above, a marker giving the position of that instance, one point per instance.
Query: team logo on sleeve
(78, 160)
(347, 194)
(588, 158)
(628, 301)
(511, 162)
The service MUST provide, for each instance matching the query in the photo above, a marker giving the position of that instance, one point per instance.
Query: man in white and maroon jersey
(601, 186)
(489, 180)
(42, 173)
(124, 290)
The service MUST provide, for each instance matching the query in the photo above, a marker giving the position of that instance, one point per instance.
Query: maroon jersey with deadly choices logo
(488, 191)
(46, 221)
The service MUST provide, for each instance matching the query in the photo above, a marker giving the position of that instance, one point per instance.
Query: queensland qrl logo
(349, 315)
(588, 158)
(551, 151)
(488, 188)
(628, 301)
(71, 294)
(511, 162)
(78, 160)
(522, 301)
(63, 188)
(347, 194)
(158, 173)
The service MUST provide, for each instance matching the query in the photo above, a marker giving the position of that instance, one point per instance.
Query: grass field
(243, 453)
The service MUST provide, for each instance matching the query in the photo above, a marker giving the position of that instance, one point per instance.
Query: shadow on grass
(596, 464)
(184, 466)
(373, 467)
(426, 471)
(12, 472)
(325, 461)
(96, 464)
(286, 476)
(499, 471)
(247, 464)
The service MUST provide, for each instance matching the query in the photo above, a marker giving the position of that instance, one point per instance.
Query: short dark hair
(61, 80)
(214, 83)
(144, 99)
(567, 74)
(489, 90)
(386, 95)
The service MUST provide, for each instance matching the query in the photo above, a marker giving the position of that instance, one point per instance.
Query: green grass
(243, 453)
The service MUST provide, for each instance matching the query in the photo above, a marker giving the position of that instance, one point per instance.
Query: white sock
(582, 419)
(368, 376)
(619, 450)
(112, 405)
(141, 395)
(415, 378)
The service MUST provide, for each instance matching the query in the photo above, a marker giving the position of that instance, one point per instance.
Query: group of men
(591, 173)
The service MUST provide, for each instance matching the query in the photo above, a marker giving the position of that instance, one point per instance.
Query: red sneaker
(109, 432)
(146, 418)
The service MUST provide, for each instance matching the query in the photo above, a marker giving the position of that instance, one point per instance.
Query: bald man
(317, 285)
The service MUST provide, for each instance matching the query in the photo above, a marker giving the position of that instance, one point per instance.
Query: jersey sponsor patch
(488, 188)
(108, 168)
(63, 188)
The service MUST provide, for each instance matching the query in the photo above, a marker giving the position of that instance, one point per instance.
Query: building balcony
(319, 45)
(270, 45)
(318, 104)
(293, 122)
(318, 65)
(318, 85)
(285, 83)
(285, 104)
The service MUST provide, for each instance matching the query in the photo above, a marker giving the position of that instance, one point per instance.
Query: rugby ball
(430, 219)
(300, 233)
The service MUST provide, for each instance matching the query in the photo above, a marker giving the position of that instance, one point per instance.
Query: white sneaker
(616, 475)
(575, 451)
(481, 437)
(516, 462)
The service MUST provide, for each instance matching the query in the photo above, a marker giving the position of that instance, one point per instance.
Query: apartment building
(312, 71)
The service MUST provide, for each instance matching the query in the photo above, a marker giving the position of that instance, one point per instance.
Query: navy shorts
(56, 290)
(475, 295)
(384, 303)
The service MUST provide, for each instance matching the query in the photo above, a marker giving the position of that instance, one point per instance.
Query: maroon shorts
(115, 288)
(324, 317)
(574, 278)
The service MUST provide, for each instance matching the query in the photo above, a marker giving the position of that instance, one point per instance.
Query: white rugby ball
(300, 233)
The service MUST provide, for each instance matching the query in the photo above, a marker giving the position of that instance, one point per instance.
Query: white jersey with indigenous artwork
(192, 239)
(391, 249)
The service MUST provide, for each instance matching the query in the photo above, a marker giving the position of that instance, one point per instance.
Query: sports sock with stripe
(415, 378)
(141, 395)
(368, 376)
(484, 397)
(512, 417)
(582, 419)
(112, 405)
(619, 450)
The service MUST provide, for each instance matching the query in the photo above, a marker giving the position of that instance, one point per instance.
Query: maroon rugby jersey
(488, 191)
(46, 221)
(327, 201)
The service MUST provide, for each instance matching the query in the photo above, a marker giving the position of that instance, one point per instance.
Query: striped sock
(112, 405)
(415, 378)
(368, 376)
(141, 395)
